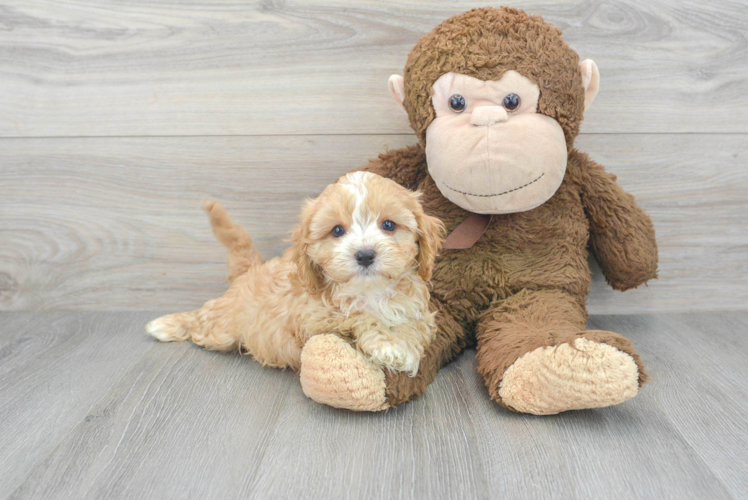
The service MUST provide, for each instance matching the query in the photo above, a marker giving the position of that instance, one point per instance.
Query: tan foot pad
(335, 374)
(588, 374)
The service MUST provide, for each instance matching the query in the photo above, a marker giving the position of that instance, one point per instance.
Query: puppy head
(365, 230)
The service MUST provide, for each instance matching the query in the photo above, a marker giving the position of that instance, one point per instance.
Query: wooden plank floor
(117, 117)
(259, 67)
(93, 408)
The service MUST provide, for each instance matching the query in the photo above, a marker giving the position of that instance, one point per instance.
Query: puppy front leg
(395, 348)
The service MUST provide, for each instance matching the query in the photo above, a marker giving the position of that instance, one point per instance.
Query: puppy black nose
(365, 258)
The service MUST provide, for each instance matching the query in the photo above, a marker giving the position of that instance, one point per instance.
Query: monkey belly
(544, 248)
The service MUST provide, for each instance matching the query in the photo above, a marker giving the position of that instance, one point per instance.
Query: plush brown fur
(543, 250)
(484, 43)
(522, 286)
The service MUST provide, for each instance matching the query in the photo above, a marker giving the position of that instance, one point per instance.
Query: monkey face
(488, 149)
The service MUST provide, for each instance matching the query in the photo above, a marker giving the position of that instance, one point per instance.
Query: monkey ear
(396, 85)
(590, 80)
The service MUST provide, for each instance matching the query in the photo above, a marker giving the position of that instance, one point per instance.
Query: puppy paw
(168, 329)
(395, 357)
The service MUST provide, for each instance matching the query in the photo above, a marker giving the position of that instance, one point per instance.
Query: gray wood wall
(117, 117)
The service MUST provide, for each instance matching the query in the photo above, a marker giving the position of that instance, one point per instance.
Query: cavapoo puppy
(358, 268)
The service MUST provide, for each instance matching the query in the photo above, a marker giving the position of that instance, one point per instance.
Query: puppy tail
(242, 253)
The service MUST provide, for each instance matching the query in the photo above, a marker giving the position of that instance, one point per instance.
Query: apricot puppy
(358, 268)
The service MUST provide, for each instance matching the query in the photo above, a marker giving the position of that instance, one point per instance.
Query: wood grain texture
(419, 450)
(695, 189)
(183, 422)
(700, 383)
(116, 224)
(54, 368)
(117, 118)
(159, 67)
(633, 450)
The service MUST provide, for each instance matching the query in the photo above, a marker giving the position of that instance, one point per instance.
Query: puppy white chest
(379, 302)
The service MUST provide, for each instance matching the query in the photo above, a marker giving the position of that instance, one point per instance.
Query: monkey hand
(622, 235)
(627, 255)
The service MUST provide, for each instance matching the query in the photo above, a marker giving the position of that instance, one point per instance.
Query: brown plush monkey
(496, 98)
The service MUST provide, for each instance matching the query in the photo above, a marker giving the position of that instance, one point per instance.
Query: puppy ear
(310, 274)
(430, 236)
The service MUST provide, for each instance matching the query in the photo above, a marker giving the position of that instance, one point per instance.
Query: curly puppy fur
(320, 285)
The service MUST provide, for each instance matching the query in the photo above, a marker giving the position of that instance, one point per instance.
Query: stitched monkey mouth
(496, 194)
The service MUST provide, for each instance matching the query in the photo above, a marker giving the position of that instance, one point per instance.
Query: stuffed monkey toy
(496, 98)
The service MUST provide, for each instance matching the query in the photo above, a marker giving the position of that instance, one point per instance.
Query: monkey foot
(574, 376)
(335, 374)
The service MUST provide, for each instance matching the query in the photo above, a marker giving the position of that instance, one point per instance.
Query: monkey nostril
(365, 258)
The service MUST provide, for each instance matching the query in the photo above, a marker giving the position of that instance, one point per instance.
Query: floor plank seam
(182, 357)
(91, 408)
(696, 455)
(679, 447)
(187, 352)
(270, 434)
(468, 407)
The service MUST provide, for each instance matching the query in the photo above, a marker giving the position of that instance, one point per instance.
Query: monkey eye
(511, 102)
(457, 103)
(338, 231)
(389, 226)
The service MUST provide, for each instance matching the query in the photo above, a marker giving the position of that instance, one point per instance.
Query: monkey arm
(622, 235)
(405, 166)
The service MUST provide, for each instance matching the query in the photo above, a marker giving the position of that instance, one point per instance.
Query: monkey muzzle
(495, 165)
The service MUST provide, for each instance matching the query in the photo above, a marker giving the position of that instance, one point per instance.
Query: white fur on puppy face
(388, 301)
(318, 287)
(360, 203)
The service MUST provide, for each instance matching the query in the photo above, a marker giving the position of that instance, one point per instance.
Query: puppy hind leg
(172, 328)
(203, 327)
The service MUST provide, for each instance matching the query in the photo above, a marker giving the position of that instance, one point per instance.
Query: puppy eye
(338, 231)
(511, 102)
(457, 103)
(389, 226)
